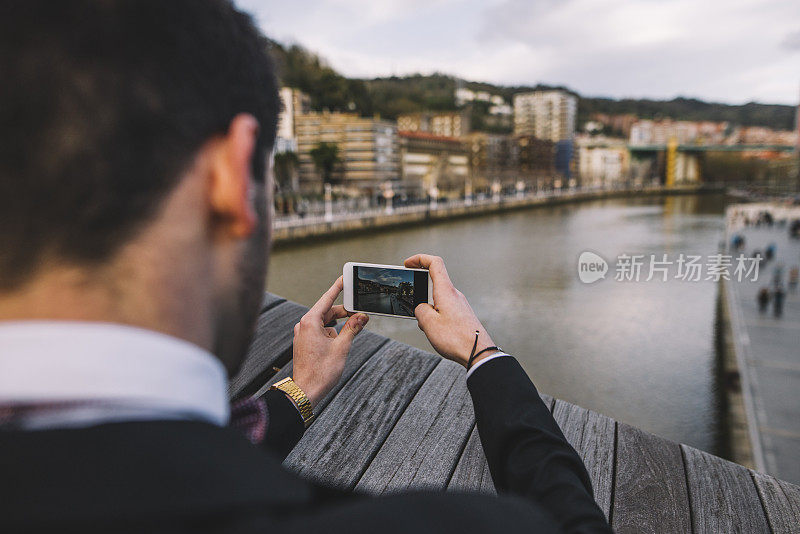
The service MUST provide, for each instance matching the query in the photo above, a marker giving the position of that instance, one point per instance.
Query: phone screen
(389, 291)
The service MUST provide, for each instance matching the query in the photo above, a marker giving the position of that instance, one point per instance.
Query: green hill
(392, 96)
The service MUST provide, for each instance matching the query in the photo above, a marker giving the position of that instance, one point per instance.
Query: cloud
(792, 41)
(731, 51)
(386, 276)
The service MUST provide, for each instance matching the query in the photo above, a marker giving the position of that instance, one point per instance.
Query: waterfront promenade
(768, 355)
(401, 419)
(296, 228)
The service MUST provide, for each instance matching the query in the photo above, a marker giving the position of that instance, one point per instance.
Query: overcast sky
(731, 51)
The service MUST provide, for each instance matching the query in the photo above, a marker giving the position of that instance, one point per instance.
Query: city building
(368, 149)
(548, 115)
(602, 162)
(441, 123)
(494, 158)
(536, 161)
(295, 103)
(758, 135)
(433, 165)
(465, 96)
(497, 104)
(618, 124)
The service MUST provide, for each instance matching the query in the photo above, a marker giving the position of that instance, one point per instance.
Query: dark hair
(103, 105)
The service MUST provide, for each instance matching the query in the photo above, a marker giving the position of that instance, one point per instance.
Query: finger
(434, 264)
(425, 314)
(330, 331)
(328, 298)
(353, 326)
(336, 312)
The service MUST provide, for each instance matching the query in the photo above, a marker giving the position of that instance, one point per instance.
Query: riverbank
(734, 437)
(764, 351)
(301, 230)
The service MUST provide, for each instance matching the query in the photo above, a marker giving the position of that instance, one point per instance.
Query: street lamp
(496, 191)
(388, 195)
(328, 203)
(434, 193)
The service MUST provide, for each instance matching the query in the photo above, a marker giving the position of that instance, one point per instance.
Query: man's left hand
(319, 351)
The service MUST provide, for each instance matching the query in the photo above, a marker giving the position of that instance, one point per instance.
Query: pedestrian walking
(777, 301)
(763, 299)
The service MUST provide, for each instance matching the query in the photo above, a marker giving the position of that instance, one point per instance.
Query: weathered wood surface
(424, 446)
(781, 503)
(472, 471)
(723, 495)
(650, 493)
(271, 346)
(340, 445)
(592, 435)
(401, 419)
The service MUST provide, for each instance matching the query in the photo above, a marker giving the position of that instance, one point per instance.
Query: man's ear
(229, 193)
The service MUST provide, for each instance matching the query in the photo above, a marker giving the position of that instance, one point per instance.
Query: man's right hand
(450, 324)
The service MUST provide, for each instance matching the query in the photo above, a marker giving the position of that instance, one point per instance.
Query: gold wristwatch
(288, 386)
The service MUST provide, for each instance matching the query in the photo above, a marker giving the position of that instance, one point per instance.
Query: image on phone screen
(389, 291)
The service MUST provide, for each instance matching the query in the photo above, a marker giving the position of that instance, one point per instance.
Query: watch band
(293, 391)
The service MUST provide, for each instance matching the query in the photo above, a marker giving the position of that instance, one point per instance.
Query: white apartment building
(295, 103)
(546, 114)
(498, 103)
(602, 162)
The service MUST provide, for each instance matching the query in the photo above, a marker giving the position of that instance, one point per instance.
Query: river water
(641, 352)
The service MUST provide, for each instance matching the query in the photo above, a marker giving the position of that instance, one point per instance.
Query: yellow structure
(672, 154)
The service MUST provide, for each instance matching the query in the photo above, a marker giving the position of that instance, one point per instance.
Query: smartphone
(390, 290)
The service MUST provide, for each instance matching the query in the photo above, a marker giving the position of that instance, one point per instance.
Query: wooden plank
(722, 495)
(364, 346)
(548, 401)
(339, 446)
(271, 346)
(472, 471)
(792, 492)
(781, 502)
(270, 300)
(423, 447)
(650, 493)
(592, 435)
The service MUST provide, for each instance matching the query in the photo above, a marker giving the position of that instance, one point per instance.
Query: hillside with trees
(392, 96)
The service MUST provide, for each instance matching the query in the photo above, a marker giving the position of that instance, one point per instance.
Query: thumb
(353, 326)
(426, 314)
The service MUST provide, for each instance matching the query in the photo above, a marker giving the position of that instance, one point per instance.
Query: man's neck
(72, 294)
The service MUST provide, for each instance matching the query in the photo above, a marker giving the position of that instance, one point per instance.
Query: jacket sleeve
(527, 453)
(285, 426)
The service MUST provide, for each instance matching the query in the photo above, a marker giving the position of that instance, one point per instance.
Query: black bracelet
(472, 354)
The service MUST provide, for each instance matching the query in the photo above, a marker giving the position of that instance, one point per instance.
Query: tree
(285, 169)
(326, 158)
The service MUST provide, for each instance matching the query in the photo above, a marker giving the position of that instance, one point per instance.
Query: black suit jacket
(181, 476)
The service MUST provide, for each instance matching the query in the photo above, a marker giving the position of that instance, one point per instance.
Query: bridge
(682, 163)
(713, 148)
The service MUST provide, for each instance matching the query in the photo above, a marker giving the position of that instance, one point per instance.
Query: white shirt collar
(147, 374)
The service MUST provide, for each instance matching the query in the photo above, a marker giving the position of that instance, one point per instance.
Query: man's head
(134, 143)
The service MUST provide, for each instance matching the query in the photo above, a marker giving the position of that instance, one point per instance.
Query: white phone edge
(347, 276)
